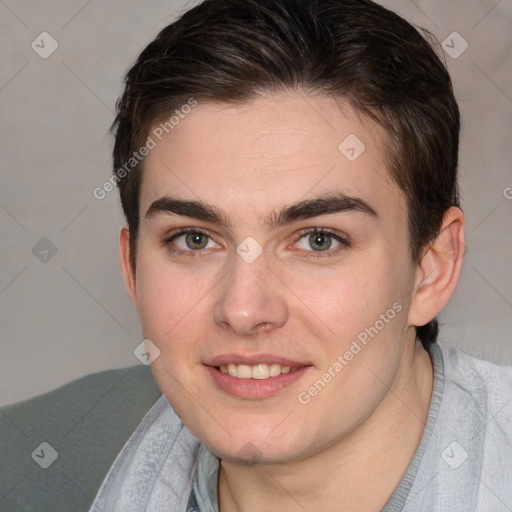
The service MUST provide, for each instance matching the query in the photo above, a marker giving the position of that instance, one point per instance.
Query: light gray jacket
(463, 462)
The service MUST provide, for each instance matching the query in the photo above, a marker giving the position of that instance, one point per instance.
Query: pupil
(320, 241)
(196, 241)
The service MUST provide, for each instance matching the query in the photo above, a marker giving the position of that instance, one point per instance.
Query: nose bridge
(250, 298)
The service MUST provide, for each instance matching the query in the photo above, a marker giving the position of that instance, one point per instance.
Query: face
(268, 251)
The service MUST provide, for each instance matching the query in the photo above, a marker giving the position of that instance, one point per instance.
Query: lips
(255, 375)
(255, 366)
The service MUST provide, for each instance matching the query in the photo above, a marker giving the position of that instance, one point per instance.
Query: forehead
(270, 151)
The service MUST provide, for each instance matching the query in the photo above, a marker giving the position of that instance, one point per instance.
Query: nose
(251, 299)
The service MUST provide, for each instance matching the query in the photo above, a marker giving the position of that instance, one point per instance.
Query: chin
(248, 446)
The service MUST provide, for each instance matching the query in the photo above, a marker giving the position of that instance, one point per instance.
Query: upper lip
(253, 359)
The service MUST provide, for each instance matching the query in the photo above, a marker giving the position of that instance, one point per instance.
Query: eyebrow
(309, 208)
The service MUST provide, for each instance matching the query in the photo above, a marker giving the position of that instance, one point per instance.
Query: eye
(318, 242)
(189, 240)
(321, 241)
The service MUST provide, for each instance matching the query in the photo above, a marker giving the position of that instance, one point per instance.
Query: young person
(288, 172)
(293, 231)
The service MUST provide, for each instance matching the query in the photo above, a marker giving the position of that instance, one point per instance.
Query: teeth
(274, 370)
(244, 371)
(259, 371)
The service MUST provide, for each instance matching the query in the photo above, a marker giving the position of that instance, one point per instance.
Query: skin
(348, 448)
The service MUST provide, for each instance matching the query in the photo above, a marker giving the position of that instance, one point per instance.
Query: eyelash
(345, 243)
(168, 240)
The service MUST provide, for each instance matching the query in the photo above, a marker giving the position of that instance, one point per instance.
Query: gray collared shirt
(457, 464)
(463, 462)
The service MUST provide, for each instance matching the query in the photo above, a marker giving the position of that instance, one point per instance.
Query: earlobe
(439, 269)
(126, 264)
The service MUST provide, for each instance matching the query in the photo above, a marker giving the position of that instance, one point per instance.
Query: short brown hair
(232, 50)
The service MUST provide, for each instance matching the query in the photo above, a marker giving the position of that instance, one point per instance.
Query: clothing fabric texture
(463, 462)
(120, 445)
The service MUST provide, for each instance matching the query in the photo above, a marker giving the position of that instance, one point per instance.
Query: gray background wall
(63, 309)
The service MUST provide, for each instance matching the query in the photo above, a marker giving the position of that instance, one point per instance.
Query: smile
(259, 371)
(255, 381)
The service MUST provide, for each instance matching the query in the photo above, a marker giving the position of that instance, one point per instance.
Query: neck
(358, 473)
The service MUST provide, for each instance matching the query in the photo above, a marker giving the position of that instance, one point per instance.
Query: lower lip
(254, 388)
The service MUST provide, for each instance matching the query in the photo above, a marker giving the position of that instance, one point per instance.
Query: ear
(439, 269)
(126, 264)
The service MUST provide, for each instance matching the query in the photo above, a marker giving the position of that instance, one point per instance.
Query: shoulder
(484, 387)
(479, 397)
(57, 447)
(485, 380)
(467, 462)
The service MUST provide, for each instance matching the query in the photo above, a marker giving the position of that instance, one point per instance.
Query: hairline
(365, 116)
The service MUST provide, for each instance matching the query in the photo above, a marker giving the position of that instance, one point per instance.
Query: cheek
(360, 316)
(343, 300)
(360, 360)
(168, 296)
